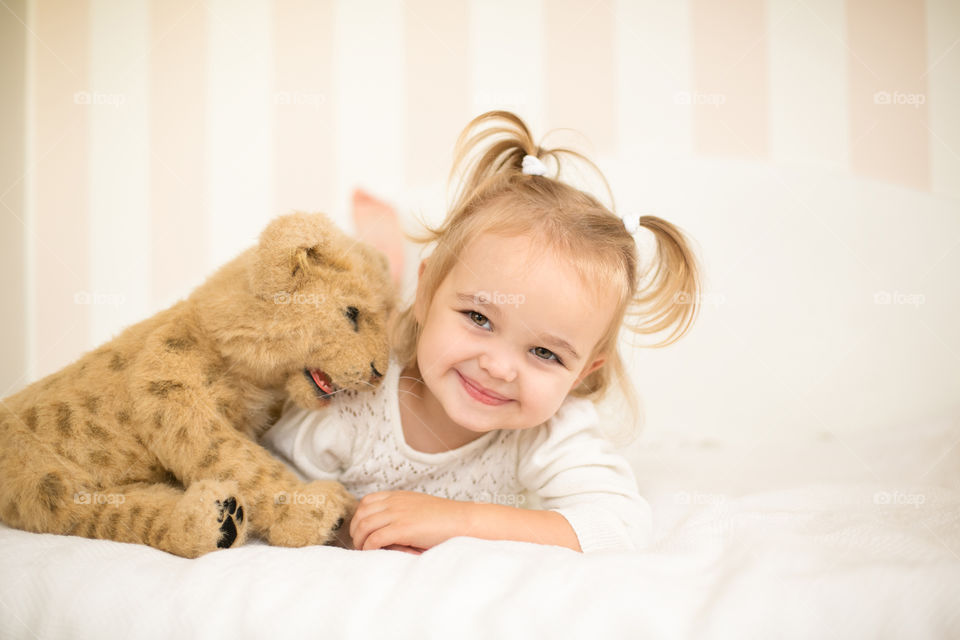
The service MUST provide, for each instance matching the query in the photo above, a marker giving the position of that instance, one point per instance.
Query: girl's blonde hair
(495, 196)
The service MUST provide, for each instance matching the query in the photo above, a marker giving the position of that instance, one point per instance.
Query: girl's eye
(478, 318)
(540, 351)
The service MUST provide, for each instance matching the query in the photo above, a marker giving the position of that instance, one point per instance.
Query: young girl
(496, 364)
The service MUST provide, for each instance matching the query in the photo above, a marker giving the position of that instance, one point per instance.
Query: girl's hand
(406, 521)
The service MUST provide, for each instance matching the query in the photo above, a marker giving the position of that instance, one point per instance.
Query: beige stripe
(61, 145)
(580, 70)
(888, 91)
(730, 96)
(303, 117)
(943, 70)
(13, 118)
(178, 30)
(438, 85)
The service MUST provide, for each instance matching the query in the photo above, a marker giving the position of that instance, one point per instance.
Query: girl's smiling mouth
(481, 394)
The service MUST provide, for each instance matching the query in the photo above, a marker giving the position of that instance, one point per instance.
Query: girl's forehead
(509, 251)
(515, 272)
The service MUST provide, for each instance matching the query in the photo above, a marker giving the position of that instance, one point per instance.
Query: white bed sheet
(849, 557)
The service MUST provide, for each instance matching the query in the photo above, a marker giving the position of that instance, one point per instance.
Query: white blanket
(839, 559)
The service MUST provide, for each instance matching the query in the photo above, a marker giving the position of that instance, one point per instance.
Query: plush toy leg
(208, 516)
(308, 511)
(281, 509)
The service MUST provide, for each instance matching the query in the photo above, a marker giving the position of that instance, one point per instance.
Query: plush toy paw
(209, 516)
(229, 515)
(311, 514)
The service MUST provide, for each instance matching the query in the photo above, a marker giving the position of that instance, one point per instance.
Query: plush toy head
(313, 319)
(330, 292)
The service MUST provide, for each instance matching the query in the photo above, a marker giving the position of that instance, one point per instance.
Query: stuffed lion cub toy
(151, 438)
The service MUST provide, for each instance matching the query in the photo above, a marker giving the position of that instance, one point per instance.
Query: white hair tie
(631, 221)
(532, 166)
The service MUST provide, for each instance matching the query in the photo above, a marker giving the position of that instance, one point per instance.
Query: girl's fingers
(369, 524)
(376, 496)
(363, 512)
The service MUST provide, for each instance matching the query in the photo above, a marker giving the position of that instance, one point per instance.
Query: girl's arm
(500, 522)
(420, 521)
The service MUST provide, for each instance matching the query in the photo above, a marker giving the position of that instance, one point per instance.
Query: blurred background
(810, 148)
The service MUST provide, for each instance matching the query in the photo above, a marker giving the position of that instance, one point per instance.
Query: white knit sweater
(565, 462)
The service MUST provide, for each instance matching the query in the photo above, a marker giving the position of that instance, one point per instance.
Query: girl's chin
(481, 420)
(473, 419)
(468, 421)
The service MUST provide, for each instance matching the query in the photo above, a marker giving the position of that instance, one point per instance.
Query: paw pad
(228, 513)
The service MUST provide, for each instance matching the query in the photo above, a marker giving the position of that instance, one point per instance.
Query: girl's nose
(498, 365)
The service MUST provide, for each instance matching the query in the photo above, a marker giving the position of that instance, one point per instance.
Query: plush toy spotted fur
(151, 438)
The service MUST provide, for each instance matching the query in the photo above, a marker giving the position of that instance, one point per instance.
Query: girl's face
(507, 336)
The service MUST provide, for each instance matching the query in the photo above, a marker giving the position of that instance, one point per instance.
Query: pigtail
(494, 143)
(669, 293)
(489, 153)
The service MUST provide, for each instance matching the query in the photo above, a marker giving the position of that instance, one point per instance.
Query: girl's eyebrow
(489, 306)
(479, 300)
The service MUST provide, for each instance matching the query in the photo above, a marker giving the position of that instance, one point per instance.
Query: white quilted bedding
(802, 542)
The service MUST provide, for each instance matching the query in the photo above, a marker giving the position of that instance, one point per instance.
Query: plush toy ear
(304, 259)
(293, 247)
(376, 224)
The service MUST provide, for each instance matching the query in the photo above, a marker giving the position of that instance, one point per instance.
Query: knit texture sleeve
(313, 442)
(576, 472)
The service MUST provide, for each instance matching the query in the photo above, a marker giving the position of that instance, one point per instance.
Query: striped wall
(150, 140)
(13, 222)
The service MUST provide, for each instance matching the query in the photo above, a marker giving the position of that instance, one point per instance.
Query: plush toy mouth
(321, 383)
